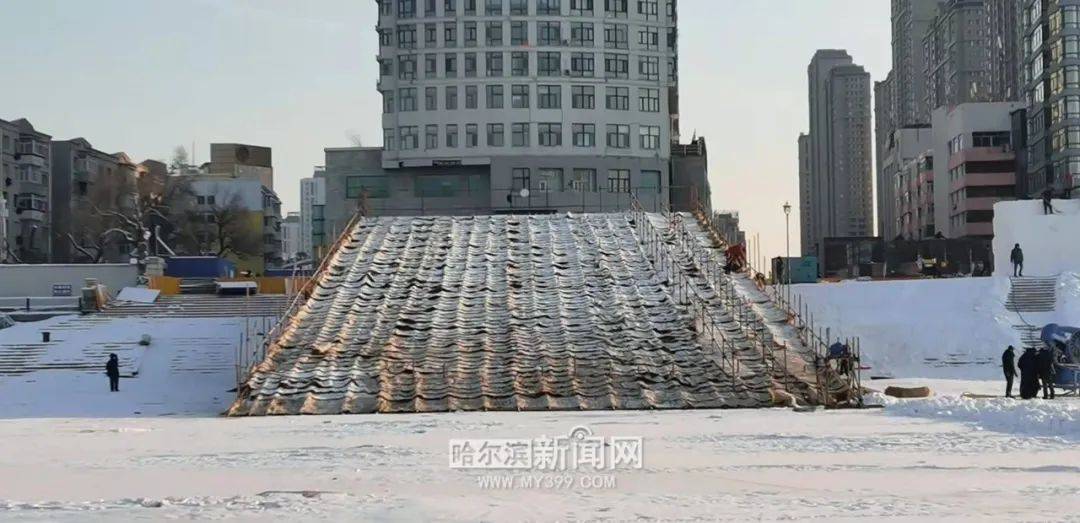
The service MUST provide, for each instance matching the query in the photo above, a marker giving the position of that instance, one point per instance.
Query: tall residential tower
(841, 195)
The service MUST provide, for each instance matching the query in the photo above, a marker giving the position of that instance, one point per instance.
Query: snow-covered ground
(698, 465)
(948, 328)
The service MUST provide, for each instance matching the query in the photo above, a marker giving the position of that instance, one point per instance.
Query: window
(650, 137)
(494, 97)
(581, 7)
(649, 67)
(519, 33)
(549, 179)
(521, 179)
(494, 34)
(650, 181)
(617, 65)
(583, 96)
(386, 67)
(582, 180)
(431, 137)
(650, 100)
(495, 137)
(618, 136)
(581, 34)
(470, 97)
(992, 138)
(386, 38)
(450, 34)
(451, 136)
(519, 7)
(548, 7)
(366, 186)
(519, 63)
(470, 7)
(549, 33)
(407, 67)
(408, 137)
(451, 98)
(470, 65)
(549, 96)
(431, 35)
(470, 34)
(472, 135)
(617, 98)
(550, 134)
(388, 139)
(616, 8)
(649, 9)
(519, 96)
(386, 7)
(493, 7)
(548, 64)
(431, 66)
(388, 102)
(494, 65)
(519, 134)
(582, 64)
(406, 36)
(431, 99)
(618, 180)
(584, 134)
(407, 97)
(649, 39)
(616, 36)
(406, 9)
(450, 66)
(449, 7)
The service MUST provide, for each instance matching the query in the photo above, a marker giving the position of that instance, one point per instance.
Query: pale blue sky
(144, 76)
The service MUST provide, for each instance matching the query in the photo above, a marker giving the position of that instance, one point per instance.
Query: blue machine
(1067, 340)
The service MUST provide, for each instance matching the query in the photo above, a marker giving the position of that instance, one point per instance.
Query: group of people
(1036, 367)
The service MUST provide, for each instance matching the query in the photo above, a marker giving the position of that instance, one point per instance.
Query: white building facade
(569, 98)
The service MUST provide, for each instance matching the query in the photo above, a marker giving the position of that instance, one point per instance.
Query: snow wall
(947, 328)
(1049, 241)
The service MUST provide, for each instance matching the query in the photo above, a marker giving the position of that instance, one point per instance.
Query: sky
(144, 77)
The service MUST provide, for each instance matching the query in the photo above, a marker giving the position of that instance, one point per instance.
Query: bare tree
(223, 227)
(179, 160)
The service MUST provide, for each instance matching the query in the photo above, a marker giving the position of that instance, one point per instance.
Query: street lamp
(787, 239)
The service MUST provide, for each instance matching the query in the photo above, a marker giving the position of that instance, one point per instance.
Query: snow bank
(1048, 241)
(947, 328)
(1058, 418)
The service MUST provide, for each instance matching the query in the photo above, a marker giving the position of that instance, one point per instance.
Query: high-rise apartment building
(841, 195)
(910, 21)
(958, 55)
(555, 104)
(1051, 79)
(806, 217)
(1006, 48)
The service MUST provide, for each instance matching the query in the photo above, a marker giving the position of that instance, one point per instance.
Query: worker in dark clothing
(1047, 372)
(1029, 374)
(1008, 365)
(1047, 199)
(1017, 259)
(112, 369)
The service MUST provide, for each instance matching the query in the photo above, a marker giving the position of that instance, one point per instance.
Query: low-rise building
(915, 202)
(974, 166)
(85, 181)
(26, 164)
(239, 219)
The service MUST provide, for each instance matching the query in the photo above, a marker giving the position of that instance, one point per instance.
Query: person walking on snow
(1047, 372)
(1029, 374)
(1047, 198)
(1008, 365)
(1017, 259)
(112, 369)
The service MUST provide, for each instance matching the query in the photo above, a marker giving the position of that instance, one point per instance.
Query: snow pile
(948, 328)
(1045, 239)
(1058, 418)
